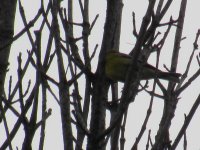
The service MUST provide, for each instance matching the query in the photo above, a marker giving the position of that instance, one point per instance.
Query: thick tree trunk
(111, 38)
(7, 17)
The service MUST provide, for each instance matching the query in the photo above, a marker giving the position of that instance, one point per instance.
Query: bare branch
(186, 123)
(134, 26)
(195, 47)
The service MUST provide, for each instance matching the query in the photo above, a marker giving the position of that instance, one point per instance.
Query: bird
(117, 64)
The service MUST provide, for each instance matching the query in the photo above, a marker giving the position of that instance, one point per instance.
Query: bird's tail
(174, 77)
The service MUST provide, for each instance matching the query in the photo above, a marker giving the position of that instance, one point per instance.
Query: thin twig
(134, 26)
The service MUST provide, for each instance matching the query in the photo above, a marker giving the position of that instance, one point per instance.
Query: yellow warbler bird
(117, 65)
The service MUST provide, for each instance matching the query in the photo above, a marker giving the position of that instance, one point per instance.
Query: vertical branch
(123, 127)
(63, 87)
(160, 4)
(178, 36)
(7, 17)
(70, 17)
(100, 86)
(44, 68)
(44, 107)
(115, 133)
(44, 84)
(185, 138)
(20, 82)
(85, 34)
(30, 127)
(33, 118)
